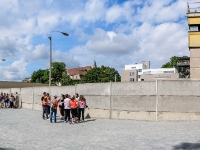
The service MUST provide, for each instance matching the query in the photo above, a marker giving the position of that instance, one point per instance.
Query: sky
(114, 33)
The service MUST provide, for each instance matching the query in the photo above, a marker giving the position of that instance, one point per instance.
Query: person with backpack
(44, 105)
(53, 109)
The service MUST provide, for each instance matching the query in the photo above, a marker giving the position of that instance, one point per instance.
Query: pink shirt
(81, 104)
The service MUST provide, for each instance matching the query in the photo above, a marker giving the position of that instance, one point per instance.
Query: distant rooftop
(193, 7)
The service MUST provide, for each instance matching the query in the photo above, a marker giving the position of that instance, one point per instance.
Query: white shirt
(67, 103)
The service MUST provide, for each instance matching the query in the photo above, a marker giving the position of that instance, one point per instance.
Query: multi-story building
(159, 74)
(135, 69)
(142, 72)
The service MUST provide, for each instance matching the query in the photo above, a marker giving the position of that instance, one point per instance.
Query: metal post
(50, 37)
(156, 100)
(110, 97)
(115, 77)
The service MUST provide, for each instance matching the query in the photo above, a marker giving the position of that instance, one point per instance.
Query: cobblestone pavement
(26, 130)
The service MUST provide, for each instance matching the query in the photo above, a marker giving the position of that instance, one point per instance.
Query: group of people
(9, 100)
(71, 108)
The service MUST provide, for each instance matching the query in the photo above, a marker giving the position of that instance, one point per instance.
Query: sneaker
(70, 122)
(65, 121)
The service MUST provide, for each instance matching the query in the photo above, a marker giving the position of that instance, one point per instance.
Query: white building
(142, 72)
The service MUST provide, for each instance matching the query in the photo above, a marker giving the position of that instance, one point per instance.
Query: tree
(42, 76)
(172, 63)
(66, 80)
(57, 71)
(101, 74)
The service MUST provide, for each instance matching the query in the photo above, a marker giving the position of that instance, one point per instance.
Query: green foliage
(59, 74)
(66, 80)
(40, 76)
(57, 71)
(101, 74)
(172, 63)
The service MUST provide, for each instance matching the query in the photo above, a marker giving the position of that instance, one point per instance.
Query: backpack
(53, 104)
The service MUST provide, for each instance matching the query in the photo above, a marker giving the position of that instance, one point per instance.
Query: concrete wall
(160, 100)
(7, 84)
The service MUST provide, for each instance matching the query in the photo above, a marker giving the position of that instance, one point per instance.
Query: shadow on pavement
(90, 120)
(187, 146)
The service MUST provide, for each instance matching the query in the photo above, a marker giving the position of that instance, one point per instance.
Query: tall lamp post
(50, 38)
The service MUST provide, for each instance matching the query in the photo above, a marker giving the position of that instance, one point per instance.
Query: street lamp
(50, 38)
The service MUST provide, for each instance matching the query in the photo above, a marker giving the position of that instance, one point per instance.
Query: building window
(142, 79)
(76, 77)
(139, 70)
(131, 73)
(138, 76)
(133, 67)
(193, 28)
(131, 79)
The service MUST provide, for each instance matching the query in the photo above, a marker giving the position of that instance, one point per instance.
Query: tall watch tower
(193, 15)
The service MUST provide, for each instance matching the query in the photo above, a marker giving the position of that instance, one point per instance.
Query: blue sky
(112, 32)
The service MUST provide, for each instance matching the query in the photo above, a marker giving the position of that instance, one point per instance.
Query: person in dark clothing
(61, 106)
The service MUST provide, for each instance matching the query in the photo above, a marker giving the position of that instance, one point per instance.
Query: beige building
(142, 72)
(193, 16)
(129, 75)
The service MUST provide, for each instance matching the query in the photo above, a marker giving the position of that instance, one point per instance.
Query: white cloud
(113, 34)
(162, 42)
(111, 43)
(15, 71)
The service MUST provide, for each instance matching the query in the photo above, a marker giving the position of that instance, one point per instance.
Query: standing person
(44, 105)
(16, 105)
(53, 109)
(1, 100)
(77, 100)
(73, 106)
(61, 106)
(81, 105)
(67, 107)
(5, 100)
(48, 103)
(8, 99)
(11, 97)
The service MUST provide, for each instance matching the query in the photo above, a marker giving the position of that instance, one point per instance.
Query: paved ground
(24, 129)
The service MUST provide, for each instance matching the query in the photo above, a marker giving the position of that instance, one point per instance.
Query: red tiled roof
(80, 70)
